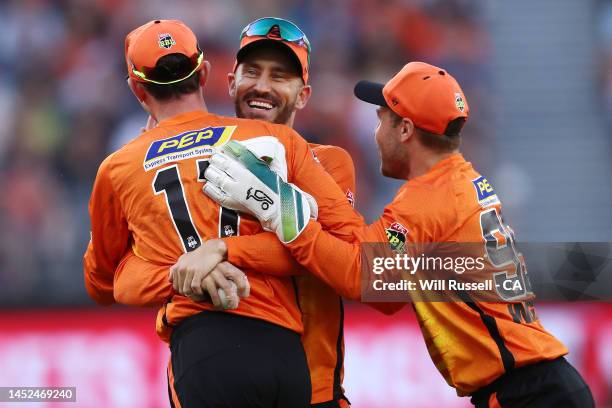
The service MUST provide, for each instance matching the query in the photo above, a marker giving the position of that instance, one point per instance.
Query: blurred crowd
(605, 34)
(64, 104)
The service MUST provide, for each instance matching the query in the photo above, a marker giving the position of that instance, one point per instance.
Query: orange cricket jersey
(148, 197)
(322, 309)
(141, 283)
(471, 343)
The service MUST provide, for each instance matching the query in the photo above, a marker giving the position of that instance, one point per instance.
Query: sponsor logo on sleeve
(194, 143)
(396, 234)
(350, 197)
(485, 192)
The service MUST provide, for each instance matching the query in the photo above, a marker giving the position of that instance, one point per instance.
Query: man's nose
(262, 84)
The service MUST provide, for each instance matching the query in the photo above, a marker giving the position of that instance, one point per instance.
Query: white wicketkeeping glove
(237, 179)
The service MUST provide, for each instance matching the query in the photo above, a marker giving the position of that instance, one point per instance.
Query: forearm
(141, 283)
(262, 252)
(99, 285)
(334, 261)
(109, 237)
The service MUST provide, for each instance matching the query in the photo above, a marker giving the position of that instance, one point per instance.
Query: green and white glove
(237, 179)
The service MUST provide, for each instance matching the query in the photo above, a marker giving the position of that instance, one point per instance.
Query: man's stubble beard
(281, 118)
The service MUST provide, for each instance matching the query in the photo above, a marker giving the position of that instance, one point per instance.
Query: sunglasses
(286, 30)
(148, 72)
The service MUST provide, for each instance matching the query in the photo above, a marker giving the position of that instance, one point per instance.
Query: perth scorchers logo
(396, 234)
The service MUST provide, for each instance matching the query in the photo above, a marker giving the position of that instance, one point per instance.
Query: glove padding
(237, 179)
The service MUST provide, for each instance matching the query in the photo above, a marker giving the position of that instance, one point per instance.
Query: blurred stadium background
(538, 77)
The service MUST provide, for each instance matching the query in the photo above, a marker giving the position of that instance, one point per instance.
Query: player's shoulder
(281, 130)
(451, 183)
(107, 164)
(425, 200)
(439, 196)
(249, 128)
(258, 125)
(136, 146)
(336, 152)
(470, 188)
(331, 156)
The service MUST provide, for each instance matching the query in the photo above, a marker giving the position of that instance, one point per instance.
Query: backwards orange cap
(148, 43)
(280, 31)
(423, 93)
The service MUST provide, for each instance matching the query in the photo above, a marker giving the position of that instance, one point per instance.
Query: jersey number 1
(168, 181)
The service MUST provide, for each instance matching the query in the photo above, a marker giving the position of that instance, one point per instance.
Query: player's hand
(225, 285)
(238, 179)
(192, 267)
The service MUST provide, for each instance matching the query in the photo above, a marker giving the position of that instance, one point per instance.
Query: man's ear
(231, 84)
(407, 130)
(204, 73)
(138, 90)
(303, 97)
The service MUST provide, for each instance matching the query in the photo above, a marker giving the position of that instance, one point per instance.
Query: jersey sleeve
(264, 252)
(338, 262)
(338, 163)
(141, 283)
(109, 237)
(335, 213)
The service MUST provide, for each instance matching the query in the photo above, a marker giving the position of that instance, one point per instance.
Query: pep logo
(485, 193)
(186, 145)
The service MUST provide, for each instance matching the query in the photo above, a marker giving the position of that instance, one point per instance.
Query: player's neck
(422, 163)
(290, 120)
(187, 103)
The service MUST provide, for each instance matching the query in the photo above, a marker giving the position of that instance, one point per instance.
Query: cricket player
(147, 197)
(497, 353)
(269, 82)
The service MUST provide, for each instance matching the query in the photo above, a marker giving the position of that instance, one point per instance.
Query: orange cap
(298, 52)
(423, 93)
(145, 45)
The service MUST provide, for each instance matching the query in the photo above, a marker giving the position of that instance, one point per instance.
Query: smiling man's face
(267, 85)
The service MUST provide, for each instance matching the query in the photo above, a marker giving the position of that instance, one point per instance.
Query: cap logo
(166, 41)
(459, 102)
(394, 101)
